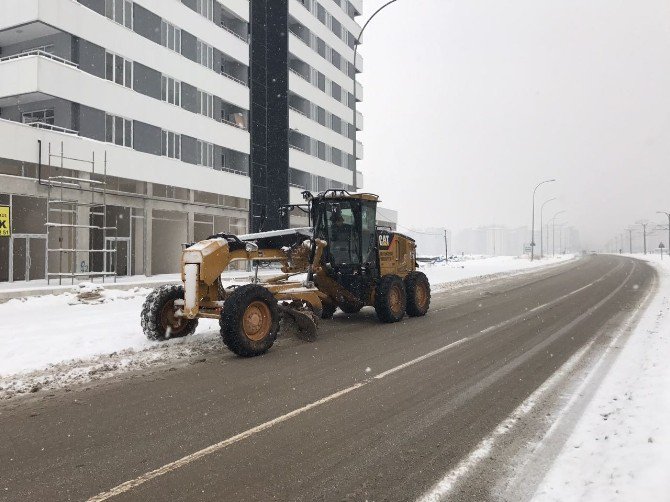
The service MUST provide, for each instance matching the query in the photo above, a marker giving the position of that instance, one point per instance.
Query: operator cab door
(348, 225)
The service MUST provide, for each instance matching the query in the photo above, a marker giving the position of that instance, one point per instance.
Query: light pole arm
(355, 121)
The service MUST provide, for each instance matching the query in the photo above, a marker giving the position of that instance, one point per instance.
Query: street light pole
(532, 234)
(630, 240)
(357, 42)
(644, 234)
(541, 230)
(553, 233)
(668, 215)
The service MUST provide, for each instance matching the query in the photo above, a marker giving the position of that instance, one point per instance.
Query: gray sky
(469, 103)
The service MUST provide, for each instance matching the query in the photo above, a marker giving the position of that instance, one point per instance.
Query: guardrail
(40, 53)
(51, 127)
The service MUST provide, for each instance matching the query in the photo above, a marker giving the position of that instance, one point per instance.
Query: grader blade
(304, 323)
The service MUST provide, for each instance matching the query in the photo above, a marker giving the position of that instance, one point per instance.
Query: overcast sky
(469, 103)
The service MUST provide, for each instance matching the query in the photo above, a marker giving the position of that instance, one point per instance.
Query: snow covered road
(53, 340)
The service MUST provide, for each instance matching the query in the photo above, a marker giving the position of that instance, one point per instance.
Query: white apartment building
(129, 127)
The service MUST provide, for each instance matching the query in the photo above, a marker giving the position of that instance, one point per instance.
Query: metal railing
(244, 38)
(227, 75)
(298, 111)
(40, 53)
(51, 127)
(306, 79)
(234, 171)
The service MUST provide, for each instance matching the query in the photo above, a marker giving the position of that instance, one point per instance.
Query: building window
(119, 70)
(171, 145)
(205, 154)
(205, 55)
(170, 90)
(39, 116)
(120, 11)
(119, 131)
(171, 36)
(206, 8)
(206, 104)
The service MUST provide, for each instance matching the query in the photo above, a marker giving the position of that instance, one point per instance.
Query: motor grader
(343, 260)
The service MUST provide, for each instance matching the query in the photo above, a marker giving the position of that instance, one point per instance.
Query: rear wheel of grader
(250, 320)
(158, 315)
(390, 299)
(418, 294)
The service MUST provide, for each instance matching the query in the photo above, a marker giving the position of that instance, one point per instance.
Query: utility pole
(668, 215)
(446, 247)
(630, 240)
(644, 233)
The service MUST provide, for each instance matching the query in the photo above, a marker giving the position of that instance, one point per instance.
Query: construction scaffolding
(67, 204)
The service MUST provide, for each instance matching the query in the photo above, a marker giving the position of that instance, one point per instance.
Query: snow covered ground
(50, 341)
(620, 447)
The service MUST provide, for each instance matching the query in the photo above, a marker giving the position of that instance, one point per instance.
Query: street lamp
(553, 233)
(357, 42)
(532, 235)
(668, 215)
(541, 232)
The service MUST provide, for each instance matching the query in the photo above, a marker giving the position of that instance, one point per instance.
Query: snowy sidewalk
(620, 447)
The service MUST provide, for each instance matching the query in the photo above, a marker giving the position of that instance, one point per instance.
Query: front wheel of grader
(250, 320)
(158, 315)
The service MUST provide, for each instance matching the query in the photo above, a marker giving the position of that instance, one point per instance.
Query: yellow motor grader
(343, 260)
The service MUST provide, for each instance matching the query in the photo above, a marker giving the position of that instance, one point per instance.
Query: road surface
(368, 412)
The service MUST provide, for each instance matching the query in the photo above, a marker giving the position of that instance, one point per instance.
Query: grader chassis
(349, 263)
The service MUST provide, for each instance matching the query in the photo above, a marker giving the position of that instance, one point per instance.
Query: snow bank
(441, 274)
(620, 447)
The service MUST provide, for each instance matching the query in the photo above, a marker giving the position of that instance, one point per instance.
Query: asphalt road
(368, 412)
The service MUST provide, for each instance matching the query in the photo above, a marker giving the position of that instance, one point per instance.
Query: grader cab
(343, 260)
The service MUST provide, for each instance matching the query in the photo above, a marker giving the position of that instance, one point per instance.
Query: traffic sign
(661, 245)
(5, 222)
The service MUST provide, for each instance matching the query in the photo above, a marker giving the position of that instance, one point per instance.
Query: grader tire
(249, 321)
(157, 318)
(418, 294)
(390, 299)
(349, 308)
(327, 311)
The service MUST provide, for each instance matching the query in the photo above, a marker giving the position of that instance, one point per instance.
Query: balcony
(20, 142)
(34, 76)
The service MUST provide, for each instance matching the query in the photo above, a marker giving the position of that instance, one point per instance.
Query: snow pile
(440, 274)
(620, 448)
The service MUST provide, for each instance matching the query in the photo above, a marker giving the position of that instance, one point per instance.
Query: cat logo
(384, 240)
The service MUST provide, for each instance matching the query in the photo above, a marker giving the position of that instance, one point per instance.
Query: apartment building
(124, 131)
(302, 102)
(128, 127)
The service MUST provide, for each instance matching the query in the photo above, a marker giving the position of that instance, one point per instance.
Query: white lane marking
(444, 486)
(133, 483)
(421, 358)
(129, 485)
(540, 307)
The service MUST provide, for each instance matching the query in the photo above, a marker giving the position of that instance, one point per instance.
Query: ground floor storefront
(71, 233)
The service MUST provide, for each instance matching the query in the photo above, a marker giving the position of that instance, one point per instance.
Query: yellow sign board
(5, 222)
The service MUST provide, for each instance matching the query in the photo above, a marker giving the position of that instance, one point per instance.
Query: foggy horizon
(469, 105)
